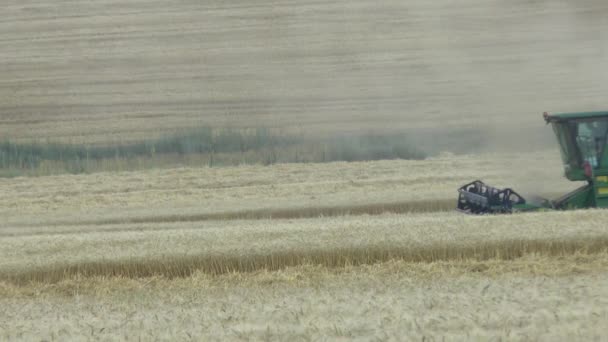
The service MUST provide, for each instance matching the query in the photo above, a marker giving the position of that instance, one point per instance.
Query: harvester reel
(479, 198)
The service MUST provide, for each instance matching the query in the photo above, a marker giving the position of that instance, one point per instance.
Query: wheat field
(217, 247)
(284, 190)
(183, 247)
(533, 298)
(105, 256)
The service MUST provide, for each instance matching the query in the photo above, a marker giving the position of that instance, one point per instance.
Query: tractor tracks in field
(119, 223)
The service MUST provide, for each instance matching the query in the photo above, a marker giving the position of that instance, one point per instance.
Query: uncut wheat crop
(422, 276)
(209, 254)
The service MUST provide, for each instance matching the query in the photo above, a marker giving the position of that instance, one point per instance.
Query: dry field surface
(128, 256)
(118, 70)
(285, 190)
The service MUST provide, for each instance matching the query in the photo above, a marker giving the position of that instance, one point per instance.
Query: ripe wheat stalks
(183, 266)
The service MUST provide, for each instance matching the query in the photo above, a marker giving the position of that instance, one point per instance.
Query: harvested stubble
(180, 249)
(77, 73)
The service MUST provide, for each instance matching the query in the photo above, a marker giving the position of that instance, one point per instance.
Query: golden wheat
(531, 298)
(289, 190)
(49, 254)
(159, 249)
(199, 254)
(174, 222)
(84, 258)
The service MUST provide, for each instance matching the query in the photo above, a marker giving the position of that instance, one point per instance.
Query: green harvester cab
(582, 138)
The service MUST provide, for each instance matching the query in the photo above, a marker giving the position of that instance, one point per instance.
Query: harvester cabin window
(591, 140)
(566, 135)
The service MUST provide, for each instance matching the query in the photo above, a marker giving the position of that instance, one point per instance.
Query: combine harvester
(583, 140)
